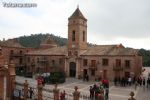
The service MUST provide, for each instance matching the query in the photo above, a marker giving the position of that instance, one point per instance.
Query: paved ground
(116, 93)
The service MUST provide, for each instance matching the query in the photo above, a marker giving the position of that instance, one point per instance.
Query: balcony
(42, 61)
(118, 68)
(16, 55)
(127, 67)
(93, 67)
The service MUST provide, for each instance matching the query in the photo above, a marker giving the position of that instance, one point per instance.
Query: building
(7, 77)
(12, 50)
(77, 59)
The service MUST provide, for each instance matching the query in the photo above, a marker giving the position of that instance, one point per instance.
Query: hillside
(146, 57)
(36, 39)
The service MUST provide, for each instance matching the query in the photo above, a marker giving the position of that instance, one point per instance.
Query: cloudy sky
(109, 21)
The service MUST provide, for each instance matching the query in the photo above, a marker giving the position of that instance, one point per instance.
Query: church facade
(78, 59)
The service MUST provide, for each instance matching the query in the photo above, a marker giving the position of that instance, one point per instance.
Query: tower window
(73, 21)
(83, 36)
(73, 35)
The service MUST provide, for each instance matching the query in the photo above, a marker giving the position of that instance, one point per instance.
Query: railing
(127, 67)
(48, 93)
(16, 54)
(42, 60)
(117, 68)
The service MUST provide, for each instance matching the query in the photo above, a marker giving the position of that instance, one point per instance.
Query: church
(78, 59)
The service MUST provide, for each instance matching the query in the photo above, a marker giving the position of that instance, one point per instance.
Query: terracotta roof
(77, 14)
(110, 50)
(51, 51)
(11, 43)
(99, 50)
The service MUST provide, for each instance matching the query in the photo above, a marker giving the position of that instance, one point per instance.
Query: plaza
(115, 92)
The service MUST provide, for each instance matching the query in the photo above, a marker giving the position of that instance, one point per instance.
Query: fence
(47, 94)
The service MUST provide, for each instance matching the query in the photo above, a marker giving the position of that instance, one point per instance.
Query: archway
(72, 67)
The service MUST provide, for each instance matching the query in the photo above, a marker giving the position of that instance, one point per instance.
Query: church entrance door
(72, 69)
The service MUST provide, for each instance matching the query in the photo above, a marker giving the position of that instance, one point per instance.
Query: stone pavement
(121, 93)
(116, 92)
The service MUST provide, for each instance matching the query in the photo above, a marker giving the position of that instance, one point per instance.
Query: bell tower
(77, 33)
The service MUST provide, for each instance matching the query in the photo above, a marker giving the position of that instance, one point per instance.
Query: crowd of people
(128, 81)
(100, 91)
(19, 94)
(63, 95)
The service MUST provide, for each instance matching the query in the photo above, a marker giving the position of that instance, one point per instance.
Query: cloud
(109, 21)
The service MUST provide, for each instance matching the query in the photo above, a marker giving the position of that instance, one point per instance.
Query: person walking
(91, 93)
(129, 81)
(107, 93)
(31, 93)
(143, 83)
(64, 95)
(61, 96)
(22, 94)
(148, 82)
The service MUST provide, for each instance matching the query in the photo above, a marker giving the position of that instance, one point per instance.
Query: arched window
(73, 35)
(83, 36)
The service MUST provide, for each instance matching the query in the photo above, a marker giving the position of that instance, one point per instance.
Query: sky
(109, 21)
